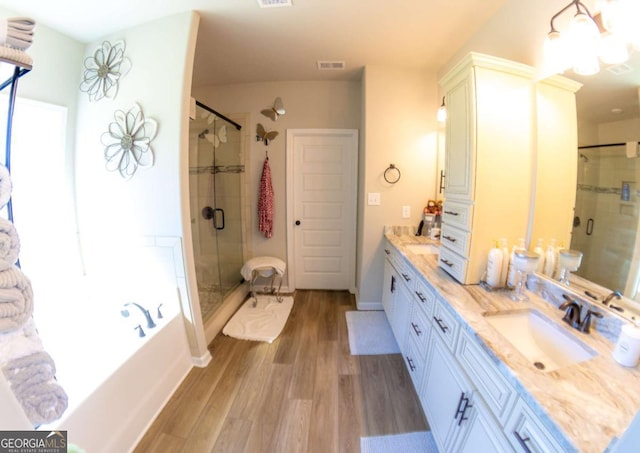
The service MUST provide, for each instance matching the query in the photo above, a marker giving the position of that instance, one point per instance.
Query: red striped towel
(265, 202)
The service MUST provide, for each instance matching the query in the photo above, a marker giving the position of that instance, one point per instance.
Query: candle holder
(568, 261)
(524, 262)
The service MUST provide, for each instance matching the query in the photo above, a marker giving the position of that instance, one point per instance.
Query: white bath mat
(370, 333)
(264, 322)
(419, 442)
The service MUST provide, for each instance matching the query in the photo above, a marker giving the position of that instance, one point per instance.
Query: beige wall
(308, 105)
(400, 127)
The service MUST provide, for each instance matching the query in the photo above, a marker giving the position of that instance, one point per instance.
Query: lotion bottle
(550, 259)
(494, 266)
(511, 279)
(504, 273)
(539, 250)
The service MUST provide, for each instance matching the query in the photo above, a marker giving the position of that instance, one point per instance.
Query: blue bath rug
(418, 442)
(370, 333)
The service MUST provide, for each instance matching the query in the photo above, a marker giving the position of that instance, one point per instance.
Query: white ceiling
(238, 42)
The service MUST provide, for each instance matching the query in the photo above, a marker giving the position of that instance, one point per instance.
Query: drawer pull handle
(406, 277)
(441, 324)
(416, 329)
(522, 441)
(451, 213)
(387, 252)
(412, 367)
(393, 284)
(447, 262)
(450, 239)
(421, 296)
(463, 405)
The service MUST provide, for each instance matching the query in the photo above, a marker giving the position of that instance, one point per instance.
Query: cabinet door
(389, 288)
(483, 433)
(444, 395)
(401, 320)
(459, 161)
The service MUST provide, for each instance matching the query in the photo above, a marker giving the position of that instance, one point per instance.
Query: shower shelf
(216, 169)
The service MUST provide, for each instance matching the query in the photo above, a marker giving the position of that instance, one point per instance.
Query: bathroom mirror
(607, 212)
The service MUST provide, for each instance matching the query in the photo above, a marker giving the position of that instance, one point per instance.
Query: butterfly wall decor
(276, 111)
(264, 136)
(217, 138)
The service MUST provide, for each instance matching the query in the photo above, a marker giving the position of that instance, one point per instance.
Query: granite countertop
(590, 403)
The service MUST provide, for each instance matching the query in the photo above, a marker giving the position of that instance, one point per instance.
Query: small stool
(264, 267)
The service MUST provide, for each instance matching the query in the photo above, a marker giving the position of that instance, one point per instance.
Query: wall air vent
(330, 65)
(274, 3)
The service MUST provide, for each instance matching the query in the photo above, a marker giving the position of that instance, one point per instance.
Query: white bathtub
(116, 381)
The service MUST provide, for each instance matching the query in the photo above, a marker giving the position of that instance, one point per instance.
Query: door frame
(289, 185)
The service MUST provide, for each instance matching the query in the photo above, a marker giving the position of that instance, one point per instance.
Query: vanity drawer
(425, 297)
(526, 433)
(457, 214)
(406, 271)
(495, 390)
(445, 323)
(454, 264)
(455, 239)
(419, 330)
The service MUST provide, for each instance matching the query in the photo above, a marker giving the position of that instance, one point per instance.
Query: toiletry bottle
(539, 250)
(511, 279)
(494, 266)
(504, 273)
(550, 259)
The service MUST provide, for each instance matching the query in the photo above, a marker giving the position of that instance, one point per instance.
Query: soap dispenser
(504, 273)
(494, 266)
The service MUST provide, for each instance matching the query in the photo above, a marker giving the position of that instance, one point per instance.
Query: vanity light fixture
(442, 112)
(590, 39)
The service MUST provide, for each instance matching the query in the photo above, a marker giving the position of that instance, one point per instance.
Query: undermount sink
(422, 249)
(542, 341)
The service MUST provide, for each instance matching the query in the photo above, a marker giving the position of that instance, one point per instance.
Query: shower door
(215, 183)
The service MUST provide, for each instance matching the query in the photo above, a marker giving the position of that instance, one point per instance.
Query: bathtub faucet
(145, 312)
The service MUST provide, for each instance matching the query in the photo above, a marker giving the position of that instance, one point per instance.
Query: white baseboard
(202, 361)
(369, 305)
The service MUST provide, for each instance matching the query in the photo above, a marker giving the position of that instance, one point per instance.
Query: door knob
(297, 222)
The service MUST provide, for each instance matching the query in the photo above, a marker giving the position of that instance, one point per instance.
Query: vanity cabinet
(397, 291)
(503, 129)
(488, 160)
(459, 419)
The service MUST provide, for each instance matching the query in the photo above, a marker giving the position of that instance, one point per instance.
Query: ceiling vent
(620, 69)
(330, 65)
(274, 3)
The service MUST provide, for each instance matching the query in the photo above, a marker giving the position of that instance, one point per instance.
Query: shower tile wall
(615, 221)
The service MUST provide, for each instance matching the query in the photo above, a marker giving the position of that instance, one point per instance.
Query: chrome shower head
(584, 158)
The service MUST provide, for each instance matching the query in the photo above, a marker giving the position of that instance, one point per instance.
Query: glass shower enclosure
(216, 172)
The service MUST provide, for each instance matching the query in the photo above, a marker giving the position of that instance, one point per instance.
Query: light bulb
(556, 59)
(613, 49)
(584, 44)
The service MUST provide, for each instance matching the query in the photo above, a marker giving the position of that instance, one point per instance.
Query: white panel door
(321, 207)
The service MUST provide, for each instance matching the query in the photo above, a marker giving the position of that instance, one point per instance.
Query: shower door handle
(215, 219)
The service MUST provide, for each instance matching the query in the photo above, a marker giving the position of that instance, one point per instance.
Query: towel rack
(392, 174)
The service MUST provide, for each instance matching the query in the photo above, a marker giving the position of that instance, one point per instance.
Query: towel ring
(389, 178)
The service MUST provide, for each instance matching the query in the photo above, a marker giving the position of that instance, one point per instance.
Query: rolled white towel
(9, 244)
(5, 186)
(19, 343)
(32, 380)
(43, 403)
(25, 24)
(16, 299)
(15, 34)
(262, 262)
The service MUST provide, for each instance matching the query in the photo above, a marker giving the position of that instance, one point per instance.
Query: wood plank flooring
(304, 392)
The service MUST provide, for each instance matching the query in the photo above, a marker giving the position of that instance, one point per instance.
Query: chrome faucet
(145, 312)
(607, 300)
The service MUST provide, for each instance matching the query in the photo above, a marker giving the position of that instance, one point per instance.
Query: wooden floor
(304, 392)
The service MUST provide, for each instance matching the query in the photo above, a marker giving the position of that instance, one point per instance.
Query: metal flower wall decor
(127, 142)
(103, 71)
